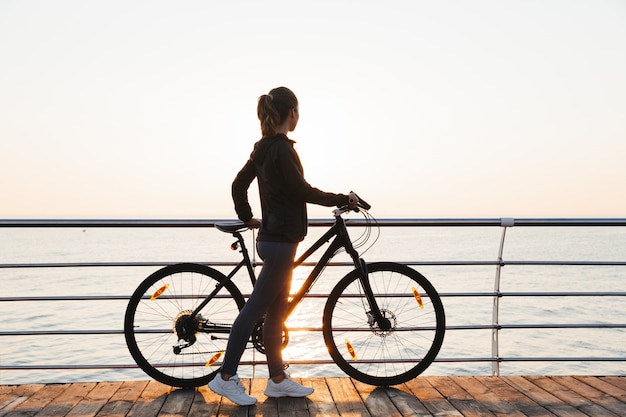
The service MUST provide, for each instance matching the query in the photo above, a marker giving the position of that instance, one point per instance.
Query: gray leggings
(269, 297)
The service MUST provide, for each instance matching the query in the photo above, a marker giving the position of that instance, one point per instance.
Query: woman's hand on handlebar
(355, 203)
(353, 200)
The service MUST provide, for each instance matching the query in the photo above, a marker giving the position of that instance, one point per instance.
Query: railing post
(505, 222)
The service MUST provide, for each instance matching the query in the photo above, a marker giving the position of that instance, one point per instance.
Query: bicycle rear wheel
(163, 338)
(380, 357)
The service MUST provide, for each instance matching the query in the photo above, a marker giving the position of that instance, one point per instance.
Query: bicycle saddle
(231, 227)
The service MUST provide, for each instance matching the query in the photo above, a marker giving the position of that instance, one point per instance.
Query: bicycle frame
(341, 240)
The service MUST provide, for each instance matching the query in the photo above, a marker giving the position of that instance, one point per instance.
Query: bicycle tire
(157, 305)
(384, 357)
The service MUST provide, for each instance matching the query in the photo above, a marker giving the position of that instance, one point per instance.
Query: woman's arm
(239, 191)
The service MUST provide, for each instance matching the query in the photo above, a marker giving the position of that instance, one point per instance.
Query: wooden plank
(604, 385)
(123, 399)
(150, 401)
(346, 397)
(618, 381)
(432, 399)
(89, 405)
(594, 395)
(205, 403)
(518, 400)
(36, 402)
(457, 395)
(321, 402)
(14, 395)
(178, 403)
(265, 406)
(406, 403)
(576, 400)
(292, 407)
(376, 400)
(62, 404)
(543, 397)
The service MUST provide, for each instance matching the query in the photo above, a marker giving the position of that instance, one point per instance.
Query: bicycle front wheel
(165, 339)
(390, 356)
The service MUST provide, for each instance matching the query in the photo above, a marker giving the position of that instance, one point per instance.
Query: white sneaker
(286, 388)
(231, 389)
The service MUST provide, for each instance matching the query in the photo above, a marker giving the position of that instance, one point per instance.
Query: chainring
(257, 336)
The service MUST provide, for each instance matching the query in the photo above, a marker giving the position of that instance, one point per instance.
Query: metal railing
(495, 296)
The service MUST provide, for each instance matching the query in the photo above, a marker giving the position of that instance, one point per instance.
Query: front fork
(383, 323)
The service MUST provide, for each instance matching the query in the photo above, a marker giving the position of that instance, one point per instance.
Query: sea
(464, 351)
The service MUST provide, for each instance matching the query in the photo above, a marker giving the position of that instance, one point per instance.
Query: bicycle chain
(210, 352)
(285, 365)
(207, 352)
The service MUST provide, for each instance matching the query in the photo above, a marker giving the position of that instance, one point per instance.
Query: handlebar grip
(362, 203)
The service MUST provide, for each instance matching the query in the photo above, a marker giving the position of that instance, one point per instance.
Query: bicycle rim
(384, 357)
(156, 307)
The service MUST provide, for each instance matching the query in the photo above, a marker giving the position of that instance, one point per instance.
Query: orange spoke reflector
(214, 358)
(351, 350)
(418, 298)
(158, 292)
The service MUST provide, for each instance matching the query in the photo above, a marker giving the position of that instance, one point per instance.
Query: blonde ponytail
(273, 109)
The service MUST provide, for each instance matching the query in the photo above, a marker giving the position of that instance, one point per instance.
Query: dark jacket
(283, 190)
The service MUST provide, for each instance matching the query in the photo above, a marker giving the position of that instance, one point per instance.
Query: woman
(284, 194)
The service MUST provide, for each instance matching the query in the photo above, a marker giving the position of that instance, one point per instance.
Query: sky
(147, 109)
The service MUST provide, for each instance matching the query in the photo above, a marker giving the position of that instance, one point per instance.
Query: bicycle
(383, 323)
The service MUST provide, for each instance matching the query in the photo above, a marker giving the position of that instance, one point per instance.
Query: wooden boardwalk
(423, 396)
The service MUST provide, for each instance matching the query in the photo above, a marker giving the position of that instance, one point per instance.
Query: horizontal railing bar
(535, 359)
(310, 264)
(564, 263)
(61, 367)
(564, 326)
(446, 295)
(563, 359)
(540, 326)
(319, 329)
(114, 223)
(60, 332)
(139, 264)
(324, 296)
(315, 295)
(533, 294)
(108, 264)
(517, 263)
(439, 222)
(564, 294)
